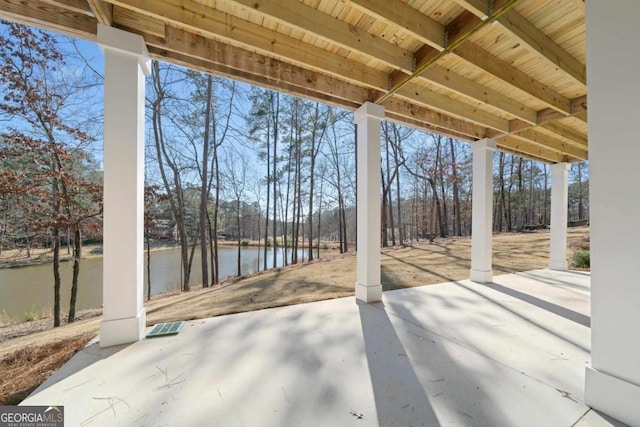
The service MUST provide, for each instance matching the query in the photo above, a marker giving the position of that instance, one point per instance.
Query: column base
(613, 396)
(558, 265)
(481, 276)
(368, 294)
(123, 331)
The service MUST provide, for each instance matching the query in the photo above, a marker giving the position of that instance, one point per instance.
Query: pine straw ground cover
(36, 350)
(25, 369)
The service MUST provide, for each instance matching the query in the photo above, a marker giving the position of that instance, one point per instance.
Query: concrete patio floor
(508, 354)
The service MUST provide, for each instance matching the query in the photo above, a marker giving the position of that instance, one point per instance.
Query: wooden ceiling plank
(396, 12)
(312, 21)
(49, 17)
(103, 11)
(196, 17)
(482, 59)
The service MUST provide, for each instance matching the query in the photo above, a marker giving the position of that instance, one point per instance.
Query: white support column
(559, 207)
(126, 63)
(482, 211)
(368, 119)
(613, 37)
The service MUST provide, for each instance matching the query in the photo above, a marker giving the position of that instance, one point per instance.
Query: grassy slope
(409, 266)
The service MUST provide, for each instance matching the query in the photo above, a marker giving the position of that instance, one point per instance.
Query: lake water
(26, 290)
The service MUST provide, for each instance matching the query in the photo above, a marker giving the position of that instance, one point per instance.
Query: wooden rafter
(468, 51)
(544, 140)
(102, 11)
(49, 16)
(310, 20)
(532, 38)
(200, 19)
(421, 61)
(515, 78)
(395, 12)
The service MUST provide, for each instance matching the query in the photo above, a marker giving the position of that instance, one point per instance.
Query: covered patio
(508, 354)
(504, 75)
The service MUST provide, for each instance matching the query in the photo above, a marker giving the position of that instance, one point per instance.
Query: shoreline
(40, 256)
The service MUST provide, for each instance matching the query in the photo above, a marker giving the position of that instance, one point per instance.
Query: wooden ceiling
(512, 70)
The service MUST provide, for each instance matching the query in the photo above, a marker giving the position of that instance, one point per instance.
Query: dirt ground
(418, 264)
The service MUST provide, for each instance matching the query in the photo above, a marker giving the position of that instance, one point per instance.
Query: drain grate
(165, 329)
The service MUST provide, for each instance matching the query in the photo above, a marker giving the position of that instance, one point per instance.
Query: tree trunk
(239, 237)
(503, 199)
(384, 237)
(438, 208)
(148, 239)
(204, 190)
(276, 115)
(266, 215)
(319, 219)
(388, 188)
(77, 257)
(456, 191)
(216, 211)
(56, 276)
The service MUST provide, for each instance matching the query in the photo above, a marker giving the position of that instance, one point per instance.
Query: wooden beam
(455, 82)
(543, 46)
(300, 82)
(428, 98)
(531, 135)
(574, 136)
(234, 58)
(578, 107)
(395, 12)
(201, 19)
(416, 113)
(247, 77)
(461, 30)
(78, 6)
(102, 11)
(310, 20)
(437, 101)
(521, 147)
(510, 75)
(48, 17)
(532, 38)
(131, 20)
(418, 124)
(480, 8)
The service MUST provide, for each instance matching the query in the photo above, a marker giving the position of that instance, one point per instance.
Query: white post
(126, 63)
(368, 119)
(613, 37)
(482, 211)
(559, 207)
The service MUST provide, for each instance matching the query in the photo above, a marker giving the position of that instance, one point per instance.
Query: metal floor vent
(165, 329)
